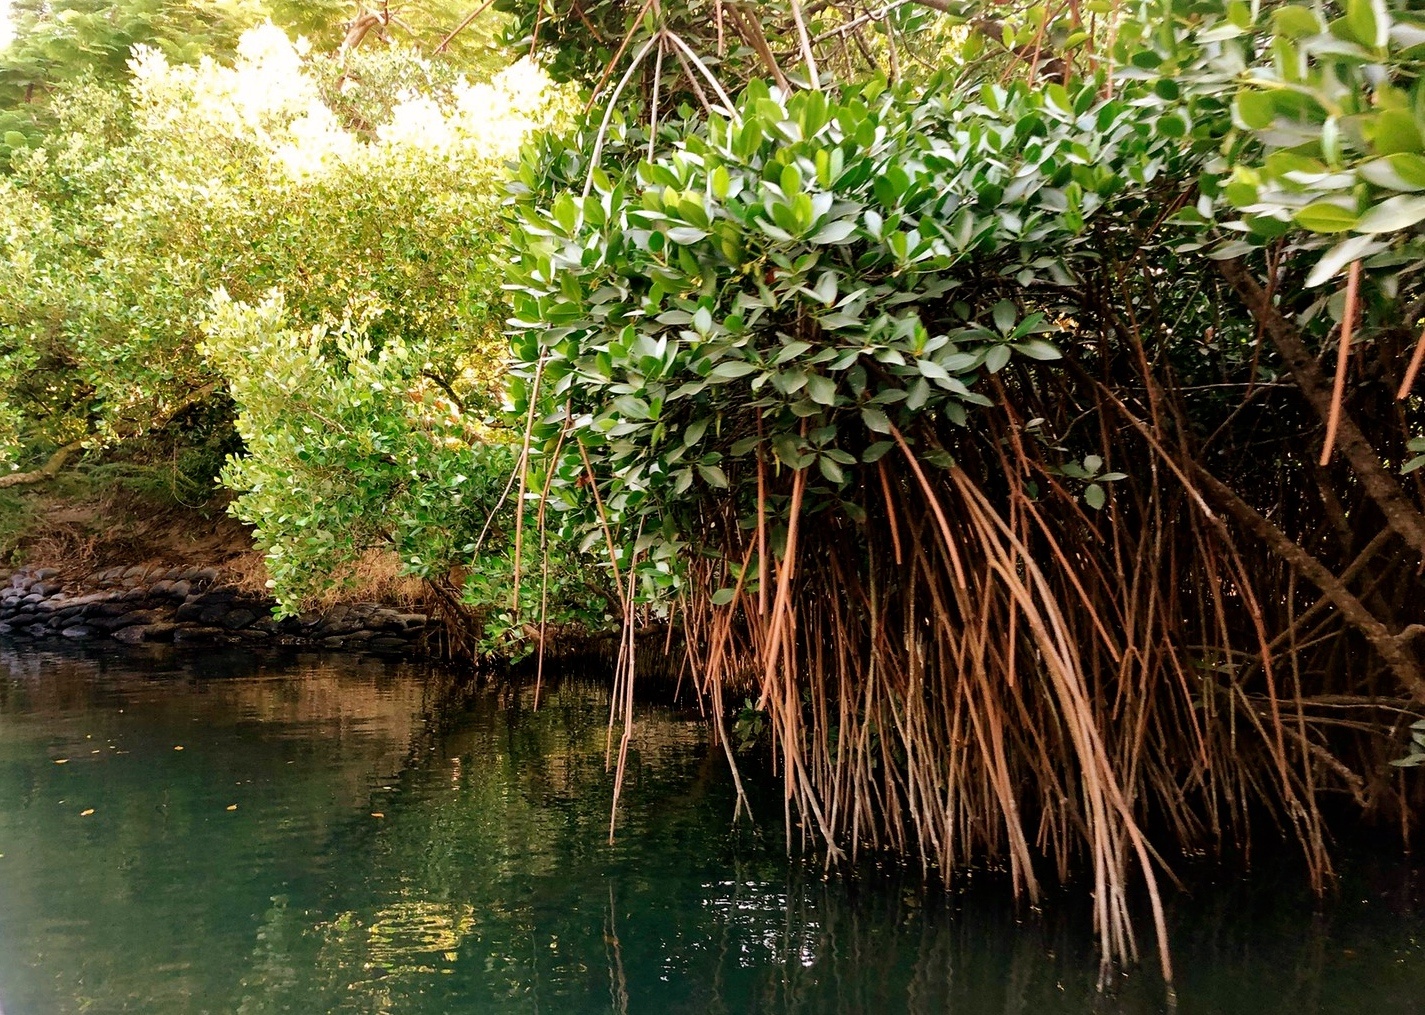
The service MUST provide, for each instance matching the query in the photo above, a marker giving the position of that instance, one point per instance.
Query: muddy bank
(194, 606)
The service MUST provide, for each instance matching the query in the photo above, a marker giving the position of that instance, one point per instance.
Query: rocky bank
(191, 605)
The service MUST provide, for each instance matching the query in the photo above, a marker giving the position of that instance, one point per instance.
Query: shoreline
(193, 606)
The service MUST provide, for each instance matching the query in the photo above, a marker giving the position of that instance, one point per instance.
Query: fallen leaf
(61, 761)
(85, 814)
(377, 814)
(179, 747)
(232, 807)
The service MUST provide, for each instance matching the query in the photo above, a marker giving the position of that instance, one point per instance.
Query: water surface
(229, 833)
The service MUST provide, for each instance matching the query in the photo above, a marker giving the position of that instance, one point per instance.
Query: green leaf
(713, 476)
(729, 369)
(834, 232)
(1094, 496)
(1342, 254)
(1038, 348)
(1005, 315)
(686, 235)
(1367, 22)
(875, 420)
(821, 389)
(791, 180)
(1392, 214)
(723, 596)
(831, 470)
(695, 431)
(1395, 132)
(1255, 109)
(721, 182)
(1297, 22)
(1404, 172)
(1325, 217)
(875, 452)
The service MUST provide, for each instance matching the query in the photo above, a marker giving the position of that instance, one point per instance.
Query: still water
(227, 833)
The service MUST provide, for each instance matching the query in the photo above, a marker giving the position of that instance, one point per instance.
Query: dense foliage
(958, 388)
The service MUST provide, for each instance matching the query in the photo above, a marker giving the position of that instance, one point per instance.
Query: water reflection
(347, 835)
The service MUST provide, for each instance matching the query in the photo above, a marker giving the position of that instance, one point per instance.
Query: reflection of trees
(489, 885)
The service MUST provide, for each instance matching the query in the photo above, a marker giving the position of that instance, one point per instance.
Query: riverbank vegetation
(1014, 407)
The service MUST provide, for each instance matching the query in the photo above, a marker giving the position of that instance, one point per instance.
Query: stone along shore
(189, 605)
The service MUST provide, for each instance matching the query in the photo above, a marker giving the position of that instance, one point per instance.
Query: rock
(45, 573)
(162, 587)
(137, 617)
(198, 635)
(158, 632)
(206, 575)
(387, 643)
(130, 635)
(5, 629)
(137, 571)
(359, 636)
(45, 588)
(188, 612)
(31, 599)
(333, 642)
(238, 619)
(213, 614)
(180, 589)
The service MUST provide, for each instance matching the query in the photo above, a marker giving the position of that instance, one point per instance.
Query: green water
(345, 835)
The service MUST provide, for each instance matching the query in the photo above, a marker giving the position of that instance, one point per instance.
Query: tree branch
(48, 470)
(1400, 512)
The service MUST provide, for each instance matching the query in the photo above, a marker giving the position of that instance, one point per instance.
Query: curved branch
(48, 470)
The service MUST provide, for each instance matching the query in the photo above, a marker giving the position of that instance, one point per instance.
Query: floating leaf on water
(377, 814)
(178, 748)
(86, 813)
(232, 807)
(61, 761)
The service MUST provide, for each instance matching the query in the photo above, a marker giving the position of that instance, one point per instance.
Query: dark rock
(45, 588)
(138, 617)
(213, 614)
(250, 635)
(5, 629)
(137, 571)
(31, 599)
(362, 635)
(198, 635)
(238, 619)
(207, 575)
(180, 589)
(188, 612)
(159, 632)
(387, 643)
(162, 587)
(44, 573)
(333, 642)
(130, 635)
